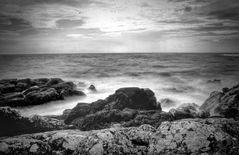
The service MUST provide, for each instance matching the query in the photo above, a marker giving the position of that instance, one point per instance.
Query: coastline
(128, 110)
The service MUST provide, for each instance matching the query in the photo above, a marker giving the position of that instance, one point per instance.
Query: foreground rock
(190, 136)
(24, 92)
(12, 123)
(127, 107)
(125, 101)
(224, 104)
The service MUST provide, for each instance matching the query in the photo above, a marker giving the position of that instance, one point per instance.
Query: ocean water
(182, 78)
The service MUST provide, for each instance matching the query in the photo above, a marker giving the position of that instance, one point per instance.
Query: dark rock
(10, 81)
(224, 104)
(190, 136)
(26, 81)
(132, 98)
(35, 97)
(6, 88)
(54, 81)
(92, 88)
(31, 89)
(82, 109)
(35, 91)
(215, 81)
(12, 123)
(40, 81)
(67, 89)
(12, 99)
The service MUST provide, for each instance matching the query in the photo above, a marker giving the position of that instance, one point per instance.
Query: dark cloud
(188, 9)
(13, 23)
(32, 2)
(66, 23)
(227, 13)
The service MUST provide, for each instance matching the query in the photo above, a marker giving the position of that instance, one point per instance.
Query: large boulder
(23, 92)
(13, 123)
(224, 104)
(189, 136)
(132, 98)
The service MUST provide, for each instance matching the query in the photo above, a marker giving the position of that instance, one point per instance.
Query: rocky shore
(25, 92)
(130, 121)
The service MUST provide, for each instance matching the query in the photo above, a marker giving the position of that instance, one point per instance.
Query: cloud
(66, 23)
(130, 24)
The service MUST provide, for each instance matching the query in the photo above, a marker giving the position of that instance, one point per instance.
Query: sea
(175, 78)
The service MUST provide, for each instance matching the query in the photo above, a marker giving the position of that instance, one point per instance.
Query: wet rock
(82, 109)
(35, 91)
(224, 104)
(188, 110)
(7, 88)
(215, 81)
(92, 88)
(31, 89)
(13, 123)
(132, 98)
(12, 99)
(35, 97)
(67, 89)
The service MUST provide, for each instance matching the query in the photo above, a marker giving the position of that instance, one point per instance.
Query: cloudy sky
(77, 26)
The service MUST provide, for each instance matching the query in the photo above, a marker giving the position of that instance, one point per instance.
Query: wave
(230, 55)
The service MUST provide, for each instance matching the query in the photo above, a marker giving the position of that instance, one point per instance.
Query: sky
(118, 26)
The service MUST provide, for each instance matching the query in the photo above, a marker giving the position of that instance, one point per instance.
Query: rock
(215, 81)
(189, 136)
(82, 109)
(67, 89)
(132, 98)
(6, 88)
(35, 97)
(12, 99)
(13, 123)
(35, 91)
(92, 88)
(40, 81)
(224, 104)
(31, 89)
(166, 103)
(54, 81)
(188, 110)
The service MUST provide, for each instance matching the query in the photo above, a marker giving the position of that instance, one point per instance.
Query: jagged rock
(225, 104)
(189, 136)
(132, 98)
(35, 91)
(13, 123)
(188, 110)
